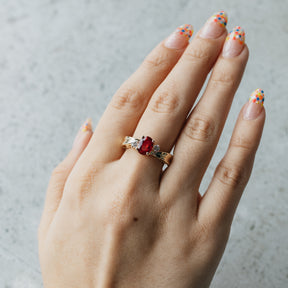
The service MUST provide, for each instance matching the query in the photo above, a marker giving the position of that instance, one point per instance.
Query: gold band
(130, 142)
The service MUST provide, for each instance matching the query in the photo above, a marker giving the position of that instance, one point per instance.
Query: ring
(146, 146)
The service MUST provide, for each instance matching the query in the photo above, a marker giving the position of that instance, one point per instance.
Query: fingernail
(86, 127)
(255, 105)
(234, 43)
(215, 26)
(180, 37)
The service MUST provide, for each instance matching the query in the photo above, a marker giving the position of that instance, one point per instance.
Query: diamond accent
(156, 148)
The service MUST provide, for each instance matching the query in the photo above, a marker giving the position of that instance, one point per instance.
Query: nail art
(237, 34)
(185, 30)
(221, 18)
(87, 126)
(257, 97)
(179, 39)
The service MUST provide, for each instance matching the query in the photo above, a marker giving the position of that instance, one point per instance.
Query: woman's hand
(113, 217)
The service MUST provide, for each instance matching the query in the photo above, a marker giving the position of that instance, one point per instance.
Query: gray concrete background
(61, 61)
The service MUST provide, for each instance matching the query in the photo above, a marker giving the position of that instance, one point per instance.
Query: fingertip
(254, 108)
(234, 43)
(243, 56)
(179, 39)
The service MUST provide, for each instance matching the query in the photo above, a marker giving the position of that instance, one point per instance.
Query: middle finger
(168, 108)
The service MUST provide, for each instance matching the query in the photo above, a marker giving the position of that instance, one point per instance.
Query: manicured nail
(234, 43)
(255, 105)
(86, 127)
(215, 26)
(179, 38)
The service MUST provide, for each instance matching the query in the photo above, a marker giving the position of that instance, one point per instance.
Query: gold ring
(146, 146)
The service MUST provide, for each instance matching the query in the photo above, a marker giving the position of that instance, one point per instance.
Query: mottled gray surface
(61, 61)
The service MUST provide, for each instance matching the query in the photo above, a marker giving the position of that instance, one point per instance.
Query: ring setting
(146, 146)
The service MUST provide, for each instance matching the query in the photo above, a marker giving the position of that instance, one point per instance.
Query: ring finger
(202, 130)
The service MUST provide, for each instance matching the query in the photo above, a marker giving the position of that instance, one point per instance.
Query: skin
(114, 218)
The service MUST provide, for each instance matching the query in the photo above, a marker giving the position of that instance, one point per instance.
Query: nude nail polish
(215, 26)
(234, 43)
(180, 37)
(86, 127)
(255, 105)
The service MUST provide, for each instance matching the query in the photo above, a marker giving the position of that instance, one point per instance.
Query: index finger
(128, 104)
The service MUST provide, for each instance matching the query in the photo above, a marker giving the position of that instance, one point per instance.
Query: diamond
(156, 148)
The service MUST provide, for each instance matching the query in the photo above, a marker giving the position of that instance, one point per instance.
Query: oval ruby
(145, 145)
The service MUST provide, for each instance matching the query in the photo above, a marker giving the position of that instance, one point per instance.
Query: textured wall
(62, 60)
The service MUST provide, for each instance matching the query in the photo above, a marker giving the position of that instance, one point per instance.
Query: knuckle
(83, 183)
(200, 233)
(242, 143)
(214, 237)
(230, 174)
(60, 170)
(166, 101)
(210, 234)
(156, 61)
(203, 231)
(223, 78)
(128, 98)
(200, 53)
(200, 128)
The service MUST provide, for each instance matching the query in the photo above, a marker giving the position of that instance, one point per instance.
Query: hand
(115, 218)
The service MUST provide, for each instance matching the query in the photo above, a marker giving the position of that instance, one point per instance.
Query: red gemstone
(145, 145)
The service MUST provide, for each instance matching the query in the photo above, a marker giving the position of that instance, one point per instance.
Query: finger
(129, 102)
(198, 140)
(232, 174)
(61, 173)
(170, 104)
